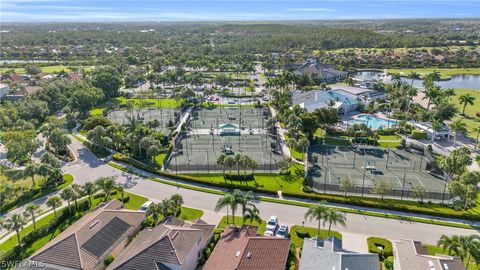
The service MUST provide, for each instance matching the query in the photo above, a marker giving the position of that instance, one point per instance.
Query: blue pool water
(373, 122)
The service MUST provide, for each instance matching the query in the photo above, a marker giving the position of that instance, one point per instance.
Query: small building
(409, 254)
(4, 90)
(174, 245)
(442, 133)
(344, 99)
(228, 129)
(242, 249)
(328, 253)
(85, 244)
(319, 71)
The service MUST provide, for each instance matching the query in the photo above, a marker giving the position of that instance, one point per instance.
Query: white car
(272, 224)
(282, 232)
(268, 233)
(145, 206)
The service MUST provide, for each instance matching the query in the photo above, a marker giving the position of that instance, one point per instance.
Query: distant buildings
(319, 71)
(344, 99)
(243, 249)
(173, 245)
(409, 254)
(328, 254)
(85, 244)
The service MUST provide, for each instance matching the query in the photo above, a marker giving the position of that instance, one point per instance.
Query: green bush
(239, 177)
(381, 246)
(303, 234)
(419, 134)
(307, 189)
(108, 260)
(385, 132)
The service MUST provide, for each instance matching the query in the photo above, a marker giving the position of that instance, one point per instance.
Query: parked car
(282, 231)
(145, 206)
(272, 224)
(268, 233)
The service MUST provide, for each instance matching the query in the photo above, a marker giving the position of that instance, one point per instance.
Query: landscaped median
(406, 206)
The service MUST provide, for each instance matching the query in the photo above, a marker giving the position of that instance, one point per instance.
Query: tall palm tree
(120, 188)
(78, 193)
(228, 200)
(89, 189)
(106, 184)
(333, 217)
(477, 129)
(245, 200)
(466, 99)
(67, 194)
(317, 212)
(457, 126)
(414, 76)
(32, 169)
(253, 214)
(15, 222)
(462, 246)
(154, 210)
(176, 203)
(221, 162)
(165, 206)
(31, 211)
(230, 163)
(54, 202)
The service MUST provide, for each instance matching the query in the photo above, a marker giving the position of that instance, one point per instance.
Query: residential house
(409, 254)
(173, 245)
(243, 249)
(328, 254)
(319, 71)
(84, 245)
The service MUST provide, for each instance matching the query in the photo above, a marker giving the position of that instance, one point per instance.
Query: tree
(462, 246)
(108, 80)
(32, 69)
(15, 222)
(317, 212)
(466, 99)
(458, 189)
(253, 214)
(154, 210)
(54, 202)
(333, 217)
(477, 130)
(31, 211)
(457, 126)
(99, 137)
(230, 162)
(346, 184)
(382, 187)
(32, 169)
(176, 203)
(67, 194)
(106, 184)
(221, 162)
(89, 189)
(245, 200)
(303, 143)
(228, 200)
(78, 193)
(121, 188)
(418, 192)
(59, 141)
(414, 76)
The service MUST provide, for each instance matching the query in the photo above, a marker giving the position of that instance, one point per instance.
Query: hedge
(385, 252)
(351, 200)
(239, 177)
(419, 134)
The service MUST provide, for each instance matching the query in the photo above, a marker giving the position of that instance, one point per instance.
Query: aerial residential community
(240, 135)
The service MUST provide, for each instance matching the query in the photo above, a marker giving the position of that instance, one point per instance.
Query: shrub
(381, 246)
(108, 260)
(307, 189)
(99, 120)
(419, 134)
(386, 132)
(239, 177)
(303, 234)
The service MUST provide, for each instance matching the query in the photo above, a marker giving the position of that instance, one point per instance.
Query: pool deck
(355, 116)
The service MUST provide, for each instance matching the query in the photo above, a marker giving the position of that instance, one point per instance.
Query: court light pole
(403, 185)
(388, 157)
(363, 180)
(325, 181)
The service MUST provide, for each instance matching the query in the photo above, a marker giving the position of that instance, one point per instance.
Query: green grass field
(48, 69)
(299, 233)
(470, 117)
(446, 73)
(292, 182)
(137, 104)
(238, 222)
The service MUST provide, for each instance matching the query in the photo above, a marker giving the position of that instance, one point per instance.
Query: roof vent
(94, 223)
(249, 255)
(238, 254)
(445, 266)
(431, 264)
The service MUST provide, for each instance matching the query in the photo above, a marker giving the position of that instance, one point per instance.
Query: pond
(457, 81)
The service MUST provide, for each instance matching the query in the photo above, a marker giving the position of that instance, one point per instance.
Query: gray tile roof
(328, 254)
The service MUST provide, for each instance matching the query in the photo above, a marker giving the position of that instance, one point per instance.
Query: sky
(231, 10)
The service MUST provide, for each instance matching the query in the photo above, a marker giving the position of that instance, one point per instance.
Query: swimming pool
(373, 122)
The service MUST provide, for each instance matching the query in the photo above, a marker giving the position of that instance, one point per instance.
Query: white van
(145, 206)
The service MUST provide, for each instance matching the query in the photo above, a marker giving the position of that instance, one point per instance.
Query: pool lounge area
(372, 121)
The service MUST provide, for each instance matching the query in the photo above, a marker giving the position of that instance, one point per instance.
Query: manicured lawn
(48, 69)
(137, 103)
(445, 73)
(299, 233)
(292, 182)
(160, 158)
(190, 213)
(470, 117)
(238, 222)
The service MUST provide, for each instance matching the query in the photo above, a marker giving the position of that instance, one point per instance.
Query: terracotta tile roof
(66, 249)
(239, 249)
(164, 244)
(75, 76)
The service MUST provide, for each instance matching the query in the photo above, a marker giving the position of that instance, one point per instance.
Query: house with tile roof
(84, 245)
(328, 253)
(243, 249)
(172, 245)
(410, 254)
(319, 71)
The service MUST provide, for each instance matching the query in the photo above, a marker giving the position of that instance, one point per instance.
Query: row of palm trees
(166, 207)
(241, 161)
(465, 247)
(325, 215)
(239, 200)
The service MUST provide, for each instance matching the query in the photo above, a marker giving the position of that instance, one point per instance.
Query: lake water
(457, 81)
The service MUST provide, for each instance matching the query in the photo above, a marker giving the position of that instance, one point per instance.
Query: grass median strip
(303, 204)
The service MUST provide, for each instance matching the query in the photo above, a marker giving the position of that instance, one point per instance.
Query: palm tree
(228, 200)
(31, 211)
(245, 199)
(230, 163)
(466, 99)
(89, 189)
(449, 92)
(78, 193)
(414, 76)
(436, 125)
(221, 162)
(333, 217)
(176, 202)
(456, 126)
(461, 246)
(107, 184)
(15, 222)
(121, 189)
(54, 202)
(31, 169)
(165, 206)
(317, 212)
(253, 214)
(477, 129)
(68, 194)
(154, 209)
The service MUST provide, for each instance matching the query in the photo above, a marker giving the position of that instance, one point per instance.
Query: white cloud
(311, 9)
